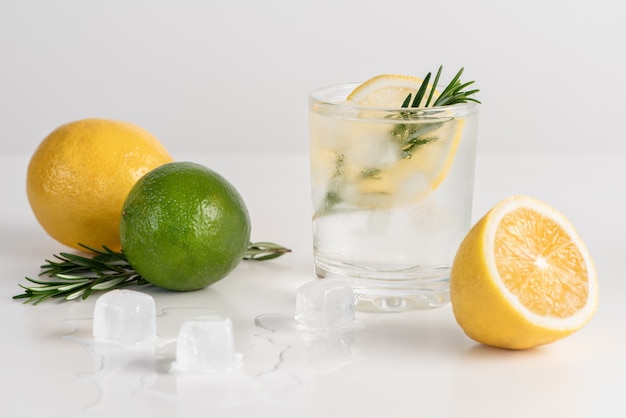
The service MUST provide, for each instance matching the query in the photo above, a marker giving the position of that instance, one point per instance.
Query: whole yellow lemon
(80, 175)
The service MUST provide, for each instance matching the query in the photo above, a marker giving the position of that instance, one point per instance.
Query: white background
(224, 76)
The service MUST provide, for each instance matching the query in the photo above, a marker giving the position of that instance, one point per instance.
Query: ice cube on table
(325, 304)
(205, 344)
(125, 316)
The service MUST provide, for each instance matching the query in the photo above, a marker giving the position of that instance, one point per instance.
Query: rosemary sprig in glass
(413, 136)
(453, 93)
(73, 276)
(409, 136)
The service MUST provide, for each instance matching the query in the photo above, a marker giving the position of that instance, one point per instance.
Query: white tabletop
(416, 363)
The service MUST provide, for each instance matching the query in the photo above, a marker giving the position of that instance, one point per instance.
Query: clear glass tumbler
(392, 196)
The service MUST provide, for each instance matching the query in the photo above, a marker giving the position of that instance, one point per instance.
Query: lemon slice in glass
(426, 145)
(387, 91)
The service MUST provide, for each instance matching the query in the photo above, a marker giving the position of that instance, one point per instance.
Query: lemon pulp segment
(540, 264)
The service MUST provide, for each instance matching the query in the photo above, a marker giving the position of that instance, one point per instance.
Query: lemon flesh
(184, 226)
(522, 277)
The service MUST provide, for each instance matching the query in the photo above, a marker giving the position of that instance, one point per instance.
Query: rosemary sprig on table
(261, 251)
(73, 276)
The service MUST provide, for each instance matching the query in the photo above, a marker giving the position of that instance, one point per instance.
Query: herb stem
(72, 276)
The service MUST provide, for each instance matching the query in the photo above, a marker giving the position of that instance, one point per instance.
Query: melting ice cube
(125, 316)
(205, 344)
(325, 304)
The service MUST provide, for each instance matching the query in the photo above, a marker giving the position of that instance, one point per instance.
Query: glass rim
(341, 104)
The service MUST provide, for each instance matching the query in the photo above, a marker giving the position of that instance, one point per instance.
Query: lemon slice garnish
(386, 91)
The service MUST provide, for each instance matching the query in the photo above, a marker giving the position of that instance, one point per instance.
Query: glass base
(395, 291)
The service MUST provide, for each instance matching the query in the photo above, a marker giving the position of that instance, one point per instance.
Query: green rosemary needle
(453, 93)
(72, 276)
(261, 251)
(412, 136)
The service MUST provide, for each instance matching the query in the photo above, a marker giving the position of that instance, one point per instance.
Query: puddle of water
(281, 357)
(303, 354)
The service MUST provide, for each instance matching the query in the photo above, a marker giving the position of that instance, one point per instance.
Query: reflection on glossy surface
(305, 352)
(282, 356)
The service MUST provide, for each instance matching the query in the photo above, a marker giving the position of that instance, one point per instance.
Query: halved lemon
(522, 277)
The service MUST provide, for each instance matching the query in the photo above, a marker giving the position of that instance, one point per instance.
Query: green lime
(184, 226)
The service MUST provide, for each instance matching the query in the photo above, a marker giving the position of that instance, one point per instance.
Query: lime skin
(184, 226)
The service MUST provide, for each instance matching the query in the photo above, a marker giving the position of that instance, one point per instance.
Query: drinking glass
(392, 196)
